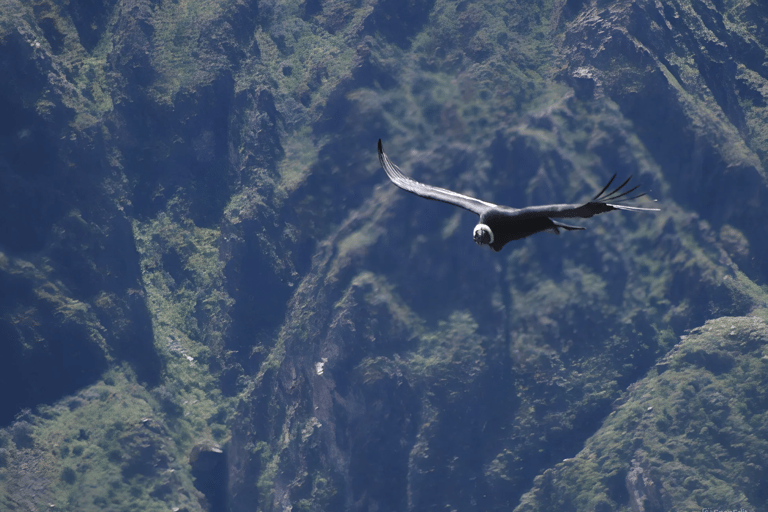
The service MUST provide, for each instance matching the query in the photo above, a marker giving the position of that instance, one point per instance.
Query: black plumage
(500, 225)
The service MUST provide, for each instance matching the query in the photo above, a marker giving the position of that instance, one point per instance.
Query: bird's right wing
(429, 192)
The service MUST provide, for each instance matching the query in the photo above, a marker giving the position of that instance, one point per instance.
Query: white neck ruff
(481, 227)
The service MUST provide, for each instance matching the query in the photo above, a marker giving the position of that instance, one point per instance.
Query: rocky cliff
(211, 298)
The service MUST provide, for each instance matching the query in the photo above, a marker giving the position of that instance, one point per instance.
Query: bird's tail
(567, 227)
(617, 196)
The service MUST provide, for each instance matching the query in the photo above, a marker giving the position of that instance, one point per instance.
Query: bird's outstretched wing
(599, 204)
(438, 194)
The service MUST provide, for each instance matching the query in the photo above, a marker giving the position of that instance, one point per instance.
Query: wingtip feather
(605, 187)
(611, 194)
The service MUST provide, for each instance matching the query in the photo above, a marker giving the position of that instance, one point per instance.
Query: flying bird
(499, 225)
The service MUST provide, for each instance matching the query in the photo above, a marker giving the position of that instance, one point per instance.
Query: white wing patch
(633, 208)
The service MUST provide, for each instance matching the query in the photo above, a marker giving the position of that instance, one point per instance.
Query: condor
(499, 225)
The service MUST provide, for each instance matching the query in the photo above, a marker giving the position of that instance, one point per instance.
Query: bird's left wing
(429, 192)
(599, 204)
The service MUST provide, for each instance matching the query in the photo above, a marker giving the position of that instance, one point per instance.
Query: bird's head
(482, 235)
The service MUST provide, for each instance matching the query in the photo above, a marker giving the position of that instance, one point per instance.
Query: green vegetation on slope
(689, 436)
